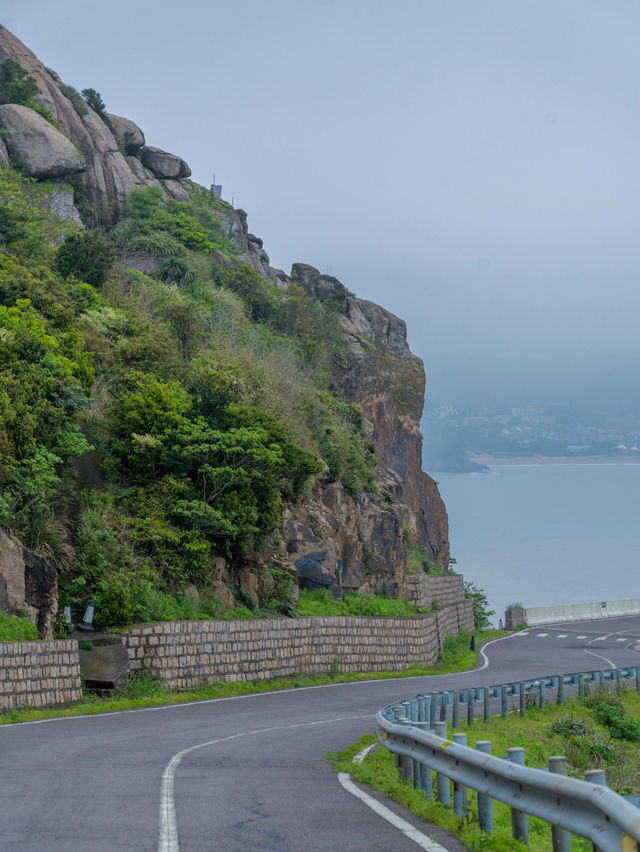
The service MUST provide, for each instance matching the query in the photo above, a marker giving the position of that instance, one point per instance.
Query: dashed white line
(621, 640)
(582, 637)
(412, 833)
(600, 638)
(562, 635)
(543, 634)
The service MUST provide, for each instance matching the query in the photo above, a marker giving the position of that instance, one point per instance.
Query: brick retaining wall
(39, 674)
(186, 653)
(442, 589)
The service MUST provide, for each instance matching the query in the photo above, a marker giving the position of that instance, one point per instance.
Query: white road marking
(621, 640)
(582, 637)
(365, 751)
(562, 635)
(168, 828)
(543, 634)
(522, 633)
(600, 657)
(412, 833)
(484, 656)
(600, 639)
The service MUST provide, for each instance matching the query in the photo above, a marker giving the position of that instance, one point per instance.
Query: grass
(143, 691)
(14, 629)
(587, 735)
(320, 602)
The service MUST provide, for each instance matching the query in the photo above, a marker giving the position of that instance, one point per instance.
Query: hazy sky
(473, 166)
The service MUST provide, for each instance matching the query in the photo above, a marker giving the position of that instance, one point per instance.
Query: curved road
(245, 773)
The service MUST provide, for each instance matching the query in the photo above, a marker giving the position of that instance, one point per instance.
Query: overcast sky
(472, 165)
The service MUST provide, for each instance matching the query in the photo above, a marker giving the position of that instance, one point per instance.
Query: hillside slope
(181, 421)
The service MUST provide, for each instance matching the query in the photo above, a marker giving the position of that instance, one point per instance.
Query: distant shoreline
(493, 461)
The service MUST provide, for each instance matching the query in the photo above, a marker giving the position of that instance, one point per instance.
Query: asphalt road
(253, 774)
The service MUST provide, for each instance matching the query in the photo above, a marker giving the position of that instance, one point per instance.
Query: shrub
(568, 726)
(76, 99)
(19, 87)
(94, 99)
(87, 256)
(612, 718)
(481, 612)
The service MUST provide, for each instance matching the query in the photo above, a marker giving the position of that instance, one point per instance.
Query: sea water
(543, 534)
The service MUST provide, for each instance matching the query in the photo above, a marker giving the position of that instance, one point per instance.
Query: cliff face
(331, 539)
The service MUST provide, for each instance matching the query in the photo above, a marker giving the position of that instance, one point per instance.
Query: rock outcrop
(331, 539)
(108, 175)
(164, 165)
(127, 131)
(40, 150)
(28, 584)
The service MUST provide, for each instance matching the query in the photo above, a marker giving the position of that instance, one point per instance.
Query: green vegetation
(600, 731)
(18, 87)
(481, 612)
(142, 418)
(320, 602)
(94, 99)
(14, 629)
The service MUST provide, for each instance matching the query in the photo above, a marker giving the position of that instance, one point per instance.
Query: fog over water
(472, 166)
(547, 534)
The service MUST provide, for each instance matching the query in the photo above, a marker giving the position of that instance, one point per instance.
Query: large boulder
(164, 165)
(40, 149)
(323, 287)
(103, 139)
(28, 583)
(126, 130)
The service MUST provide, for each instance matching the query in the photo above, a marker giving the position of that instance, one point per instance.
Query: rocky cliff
(331, 539)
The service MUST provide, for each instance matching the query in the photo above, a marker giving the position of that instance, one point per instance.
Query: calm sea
(546, 534)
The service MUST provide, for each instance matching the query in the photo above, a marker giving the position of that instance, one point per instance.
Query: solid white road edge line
(168, 827)
(412, 833)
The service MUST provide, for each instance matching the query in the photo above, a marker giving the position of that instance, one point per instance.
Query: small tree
(94, 99)
(481, 611)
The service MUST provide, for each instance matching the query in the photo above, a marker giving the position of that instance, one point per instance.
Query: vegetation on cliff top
(151, 422)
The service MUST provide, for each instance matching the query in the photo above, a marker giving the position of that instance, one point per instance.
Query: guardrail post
(580, 686)
(433, 709)
(523, 698)
(486, 697)
(560, 694)
(421, 713)
(485, 805)
(541, 691)
(443, 705)
(601, 679)
(519, 821)
(561, 838)
(503, 700)
(455, 712)
(459, 790)
(470, 707)
(442, 782)
(637, 672)
(596, 776)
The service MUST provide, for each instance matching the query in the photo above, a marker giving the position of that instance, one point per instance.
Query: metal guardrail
(415, 730)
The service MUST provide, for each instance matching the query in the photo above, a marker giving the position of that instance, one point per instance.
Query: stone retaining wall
(442, 589)
(39, 674)
(186, 653)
